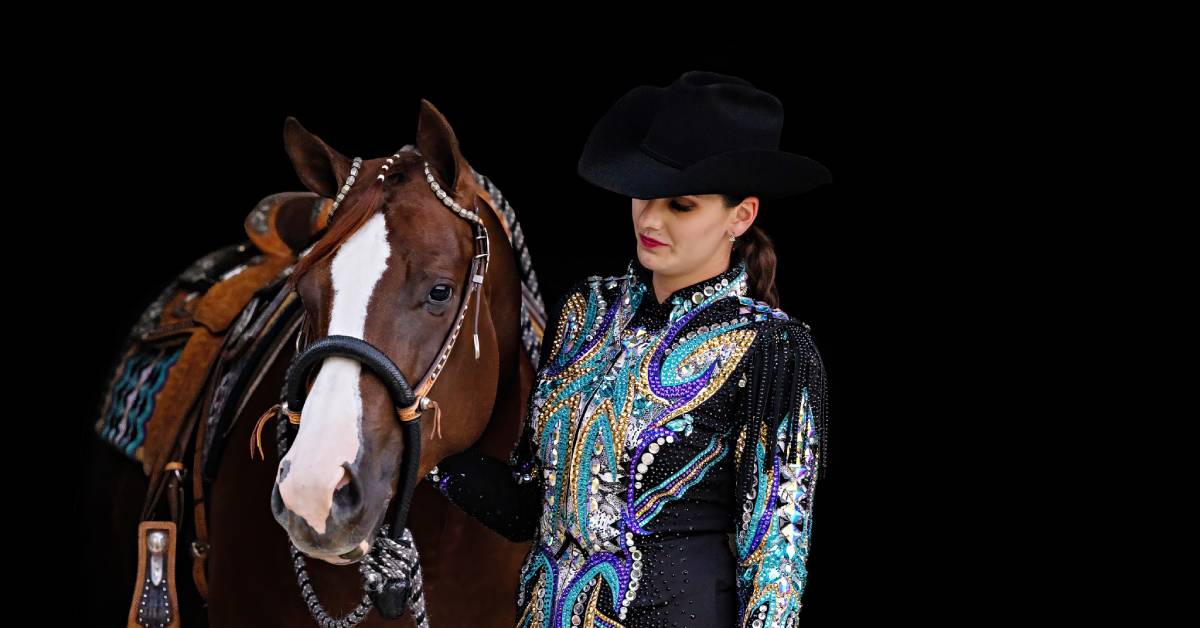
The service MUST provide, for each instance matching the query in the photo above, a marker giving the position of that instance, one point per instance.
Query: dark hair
(756, 247)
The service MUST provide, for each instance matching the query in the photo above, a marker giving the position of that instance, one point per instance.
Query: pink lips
(649, 242)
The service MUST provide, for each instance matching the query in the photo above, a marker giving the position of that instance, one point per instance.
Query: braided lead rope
(397, 560)
(388, 560)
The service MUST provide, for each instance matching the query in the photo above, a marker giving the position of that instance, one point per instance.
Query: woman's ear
(744, 214)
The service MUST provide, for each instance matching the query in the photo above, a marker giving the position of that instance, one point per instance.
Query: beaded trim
(446, 199)
(347, 185)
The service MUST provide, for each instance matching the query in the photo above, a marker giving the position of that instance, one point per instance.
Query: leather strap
(200, 546)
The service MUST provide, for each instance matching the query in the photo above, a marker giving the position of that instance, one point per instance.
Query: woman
(669, 457)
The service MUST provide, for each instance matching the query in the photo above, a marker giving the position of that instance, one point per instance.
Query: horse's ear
(320, 168)
(439, 146)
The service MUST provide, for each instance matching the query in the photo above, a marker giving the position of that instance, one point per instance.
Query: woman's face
(694, 231)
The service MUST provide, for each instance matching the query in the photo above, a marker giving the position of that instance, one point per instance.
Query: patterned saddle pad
(166, 359)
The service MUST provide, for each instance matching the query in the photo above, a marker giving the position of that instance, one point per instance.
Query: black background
(170, 158)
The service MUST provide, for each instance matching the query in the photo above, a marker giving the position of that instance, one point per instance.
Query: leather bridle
(409, 403)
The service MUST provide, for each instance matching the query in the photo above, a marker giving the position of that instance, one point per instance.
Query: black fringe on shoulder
(786, 362)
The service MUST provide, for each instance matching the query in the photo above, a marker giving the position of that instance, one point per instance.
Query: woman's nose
(648, 215)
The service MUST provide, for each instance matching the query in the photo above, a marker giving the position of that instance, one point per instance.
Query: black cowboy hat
(705, 133)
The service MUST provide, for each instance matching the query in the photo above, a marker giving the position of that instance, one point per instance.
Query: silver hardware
(346, 186)
(156, 542)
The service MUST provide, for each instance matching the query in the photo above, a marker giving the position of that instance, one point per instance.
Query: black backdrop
(179, 155)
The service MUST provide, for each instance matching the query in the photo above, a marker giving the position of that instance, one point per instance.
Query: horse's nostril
(277, 506)
(346, 496)
(345, 478)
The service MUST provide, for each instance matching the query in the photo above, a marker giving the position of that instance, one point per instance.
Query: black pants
(687, 582)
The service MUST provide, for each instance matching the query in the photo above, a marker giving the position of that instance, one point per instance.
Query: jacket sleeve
(779, 456)
(504, 496)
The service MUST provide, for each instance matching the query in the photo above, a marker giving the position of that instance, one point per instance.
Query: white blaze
(331, 426)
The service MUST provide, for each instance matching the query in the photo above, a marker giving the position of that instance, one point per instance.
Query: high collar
(654, 314)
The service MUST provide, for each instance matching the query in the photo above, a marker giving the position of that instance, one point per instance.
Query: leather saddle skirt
(168, 356)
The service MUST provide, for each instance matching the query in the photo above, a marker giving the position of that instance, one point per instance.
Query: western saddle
(178, 381)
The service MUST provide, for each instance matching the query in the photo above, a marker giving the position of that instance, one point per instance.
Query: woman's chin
(645, 252)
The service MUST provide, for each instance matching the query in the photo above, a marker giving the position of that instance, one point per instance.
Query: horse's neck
(504, 427)
(516, 373)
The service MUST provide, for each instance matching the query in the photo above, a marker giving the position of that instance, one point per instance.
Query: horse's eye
(441, 293)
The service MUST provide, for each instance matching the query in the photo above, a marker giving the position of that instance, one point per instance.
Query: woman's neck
(667, 285)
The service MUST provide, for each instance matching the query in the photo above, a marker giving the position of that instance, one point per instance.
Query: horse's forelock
(351, 216)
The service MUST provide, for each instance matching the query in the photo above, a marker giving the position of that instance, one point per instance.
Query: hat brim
(611, 159)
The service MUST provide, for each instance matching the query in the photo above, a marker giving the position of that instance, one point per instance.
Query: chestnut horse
(391, 269)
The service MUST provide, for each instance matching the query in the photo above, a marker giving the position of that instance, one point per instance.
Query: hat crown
(708, 113)
(705, 133)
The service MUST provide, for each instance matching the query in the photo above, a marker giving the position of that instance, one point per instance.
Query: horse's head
(391, 269)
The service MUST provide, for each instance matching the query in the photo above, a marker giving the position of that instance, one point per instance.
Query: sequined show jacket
(668, 460)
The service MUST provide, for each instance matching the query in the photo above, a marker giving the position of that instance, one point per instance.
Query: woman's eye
(680, 207)
(441, 293)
